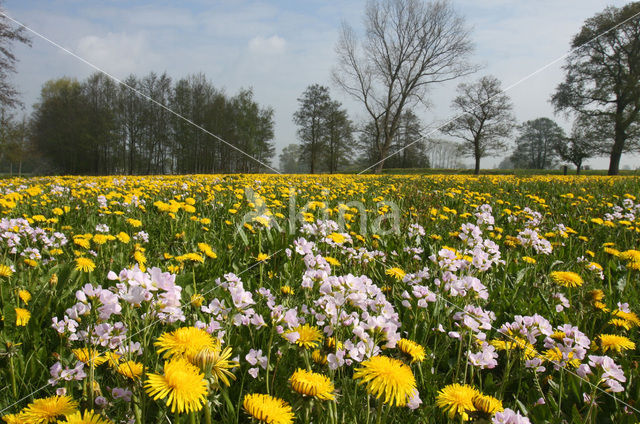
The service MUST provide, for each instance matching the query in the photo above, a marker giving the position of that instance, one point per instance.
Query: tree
(310, 117)
(408, 47)
(408, 142)
(290, 160)
(59, 126)
(443, 154)
(338, 133)
(535, 147)
(8, 35)
(602, 81)
(579, 146)
(484, 118)
(19, 148)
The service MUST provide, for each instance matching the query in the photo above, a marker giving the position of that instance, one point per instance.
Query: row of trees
(484, 125)
(100, 127)
(409, 45)
(330, 142)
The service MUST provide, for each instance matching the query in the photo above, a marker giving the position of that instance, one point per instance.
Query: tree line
(97, 126)
(407, 48)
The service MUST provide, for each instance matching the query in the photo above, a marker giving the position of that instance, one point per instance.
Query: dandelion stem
(13, 377)
(207, 413)
(269, 357)
(379, 412)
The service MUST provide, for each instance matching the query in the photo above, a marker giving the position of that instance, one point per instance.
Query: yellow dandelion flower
(517, 343)
(217, 364)
(594, 266)
(123, 237)
(82, 242)
(529, 260)
(611, 251)
(113, 358)
(32, 263)
(627, 316)
(193, 257)
(615, 342)
(135, 223)
(566, 278)
(337, 238)
(319, 358)
(630, 255)
(457, 399)
(182, 384)
(268, 409)
(622, 323)
(596, 295)
(487, 404)
(85, 264)
(130, 369)
(186, 341)
(412, 349)
(396, 273)
(308, 336)
(635, 265)
(286, 290)
(89, 355)
(555, 356)
(48, 410)
(22, 317)
(309, 383)
(174, 269)
(25, 296)
(5, 271)
(387, 377)
(332, 261)
(14, 418)
(139, 257)
(262, 257)
(197, 300)
(100, 239)
(87, 417)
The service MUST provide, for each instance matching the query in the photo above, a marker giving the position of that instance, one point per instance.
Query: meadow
(320, 299)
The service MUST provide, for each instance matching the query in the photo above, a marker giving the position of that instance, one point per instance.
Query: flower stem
(379, 412)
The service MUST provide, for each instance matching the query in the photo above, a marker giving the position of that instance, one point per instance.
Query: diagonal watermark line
(138, 92)
(460, 115)
(556, 363)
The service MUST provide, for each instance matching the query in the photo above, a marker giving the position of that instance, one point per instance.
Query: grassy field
(324, 299)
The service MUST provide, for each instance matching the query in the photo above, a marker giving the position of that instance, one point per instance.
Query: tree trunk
(618, 145)
(476, 154)
(578, 167)
(616, 154)
(383, 154)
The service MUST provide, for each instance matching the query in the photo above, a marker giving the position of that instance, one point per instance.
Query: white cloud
(116, 53)
(272, 45)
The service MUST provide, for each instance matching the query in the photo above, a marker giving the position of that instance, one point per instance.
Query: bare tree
(409, 45)
(485, 118)
(8, 94)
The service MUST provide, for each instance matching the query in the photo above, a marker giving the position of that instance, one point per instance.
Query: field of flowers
(346, 299)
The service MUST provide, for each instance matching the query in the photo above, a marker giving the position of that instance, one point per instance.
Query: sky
(280, 47)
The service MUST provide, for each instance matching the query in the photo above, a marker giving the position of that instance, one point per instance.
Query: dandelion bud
(205, 359)
(53, 280)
